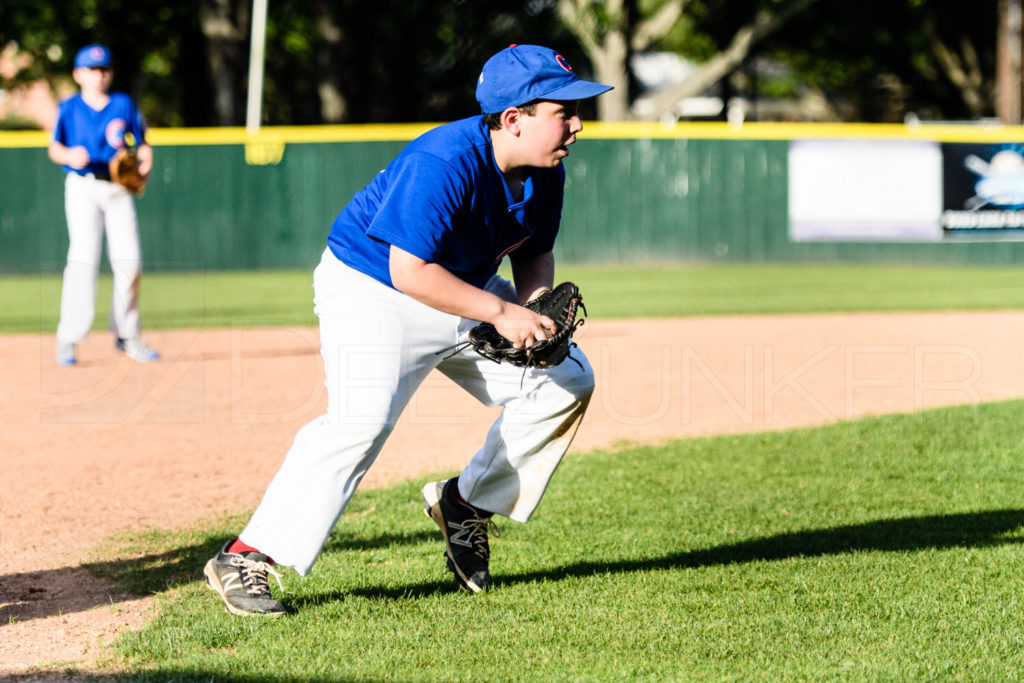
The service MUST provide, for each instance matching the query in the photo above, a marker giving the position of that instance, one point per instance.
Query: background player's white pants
(90, 205)
(378, 346)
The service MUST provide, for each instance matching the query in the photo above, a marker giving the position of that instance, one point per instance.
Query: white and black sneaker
(241, 581)
(465, 534)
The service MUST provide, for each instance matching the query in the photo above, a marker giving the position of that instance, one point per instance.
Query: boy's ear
(510, 120)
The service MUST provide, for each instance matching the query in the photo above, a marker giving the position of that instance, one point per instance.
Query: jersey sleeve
(422, 199)
(60, 129)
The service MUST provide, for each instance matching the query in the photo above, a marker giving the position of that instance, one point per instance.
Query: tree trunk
(610, 69)
(224, 24)
(725, 62)
(1008, 69)
(333, 107)
(608, 49)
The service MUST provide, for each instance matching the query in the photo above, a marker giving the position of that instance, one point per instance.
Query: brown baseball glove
(124, 170)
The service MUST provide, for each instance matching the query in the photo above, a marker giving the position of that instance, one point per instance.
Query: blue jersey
(444, 200)
(100, 132)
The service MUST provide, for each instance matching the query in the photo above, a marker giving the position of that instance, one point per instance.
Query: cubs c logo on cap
(524, 73)
(97, 53)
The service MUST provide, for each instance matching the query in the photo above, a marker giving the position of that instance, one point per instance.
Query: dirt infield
(111, 445)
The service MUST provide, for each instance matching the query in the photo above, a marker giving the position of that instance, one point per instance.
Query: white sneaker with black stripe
(241, 580)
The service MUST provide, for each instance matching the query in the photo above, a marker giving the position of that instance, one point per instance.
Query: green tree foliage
(879, 60)
(154, 47)
(396, 60)
(875, 60)
(186, 62)
(388, 60)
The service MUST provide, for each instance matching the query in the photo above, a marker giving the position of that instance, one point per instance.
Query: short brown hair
(493, 121)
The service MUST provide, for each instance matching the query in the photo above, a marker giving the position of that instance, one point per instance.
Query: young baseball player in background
(91, 127)
(410, 267)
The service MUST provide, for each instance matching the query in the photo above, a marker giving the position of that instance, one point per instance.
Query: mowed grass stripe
(877, 549)
(262, 298)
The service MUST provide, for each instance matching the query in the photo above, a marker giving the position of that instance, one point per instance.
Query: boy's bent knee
(584, 384)
(577, 379)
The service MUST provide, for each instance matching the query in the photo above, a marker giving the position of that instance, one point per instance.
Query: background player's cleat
(138, 350)
(241, 581)
(465, 534)
(67, 354)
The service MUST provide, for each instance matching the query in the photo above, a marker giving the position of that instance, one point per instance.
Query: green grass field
(219, 299)
(879, 549)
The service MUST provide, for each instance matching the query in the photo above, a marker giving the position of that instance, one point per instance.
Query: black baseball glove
(560, 304)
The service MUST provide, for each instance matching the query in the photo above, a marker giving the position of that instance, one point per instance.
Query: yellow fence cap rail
(950, 132)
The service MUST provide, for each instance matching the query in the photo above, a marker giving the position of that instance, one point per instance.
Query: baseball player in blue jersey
(410, 267)
(91, 127)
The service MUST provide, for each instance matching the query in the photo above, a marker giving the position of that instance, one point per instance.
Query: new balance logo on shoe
(463, 534)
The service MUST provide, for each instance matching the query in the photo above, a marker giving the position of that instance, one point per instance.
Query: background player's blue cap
(523, 73)
(94, 56)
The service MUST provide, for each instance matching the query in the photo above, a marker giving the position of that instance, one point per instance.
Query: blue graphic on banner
(983, 189)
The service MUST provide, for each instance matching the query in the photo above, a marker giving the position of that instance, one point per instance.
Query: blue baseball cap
(94, 57)
(523, 73)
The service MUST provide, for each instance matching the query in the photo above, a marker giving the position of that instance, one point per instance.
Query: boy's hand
(78, 157)
(523, 327)
(145, 153)
(526, 341)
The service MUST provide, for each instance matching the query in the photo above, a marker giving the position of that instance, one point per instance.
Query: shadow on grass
(933, 532)
(31, 595)
(25, 596)
(71, 675)
(165, 676)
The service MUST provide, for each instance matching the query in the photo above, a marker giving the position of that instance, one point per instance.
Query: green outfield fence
(220, 199)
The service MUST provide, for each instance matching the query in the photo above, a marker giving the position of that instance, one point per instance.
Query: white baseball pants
(378, 345)
(93, 207)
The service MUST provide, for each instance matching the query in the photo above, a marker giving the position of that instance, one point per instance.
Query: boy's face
(547, 134)
(94, 78)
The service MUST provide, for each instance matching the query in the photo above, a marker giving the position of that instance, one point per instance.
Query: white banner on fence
(865, 190)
